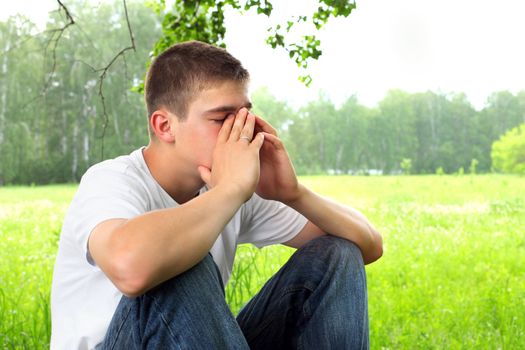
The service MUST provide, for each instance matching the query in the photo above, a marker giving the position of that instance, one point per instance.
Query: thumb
(205, 174)
(258, 141)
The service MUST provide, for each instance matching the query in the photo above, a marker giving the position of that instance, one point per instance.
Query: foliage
(473, 166)
(52, 119)
(508, 153)
(204, 21)
(503, 112)
(406, 165)
(451, 276)
(434, 131)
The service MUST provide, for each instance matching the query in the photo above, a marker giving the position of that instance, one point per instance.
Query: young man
(149, 240)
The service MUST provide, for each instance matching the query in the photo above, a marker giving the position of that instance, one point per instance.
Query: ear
(163, 124)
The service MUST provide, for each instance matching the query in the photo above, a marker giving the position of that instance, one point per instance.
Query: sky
(446, 46)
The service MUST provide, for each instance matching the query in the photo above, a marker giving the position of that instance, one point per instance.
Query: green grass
(452, 275)
(30, 221)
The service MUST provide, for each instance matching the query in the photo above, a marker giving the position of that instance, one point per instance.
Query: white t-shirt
(83, 299)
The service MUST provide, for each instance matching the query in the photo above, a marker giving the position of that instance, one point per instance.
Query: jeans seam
(119, 330)
(165, 322)
(264, 325)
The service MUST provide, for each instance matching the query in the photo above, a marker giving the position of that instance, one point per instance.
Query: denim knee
(187, 311)
(204, 271)
(336, 250)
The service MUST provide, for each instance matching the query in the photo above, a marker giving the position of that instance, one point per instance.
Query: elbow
(378, 245)
(131, 288)
(130, 279)
(376, 251)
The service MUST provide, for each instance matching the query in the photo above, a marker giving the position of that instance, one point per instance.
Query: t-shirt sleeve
(104, 194)
(267, 222)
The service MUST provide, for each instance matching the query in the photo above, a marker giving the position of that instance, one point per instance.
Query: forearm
(149, 249)
(339, 220)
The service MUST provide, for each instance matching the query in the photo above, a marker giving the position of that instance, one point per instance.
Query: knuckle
(236, 129)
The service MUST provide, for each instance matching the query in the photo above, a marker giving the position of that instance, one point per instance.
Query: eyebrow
(228, 108)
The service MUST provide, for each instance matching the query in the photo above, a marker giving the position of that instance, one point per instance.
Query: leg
(186, 312)
(318, 300)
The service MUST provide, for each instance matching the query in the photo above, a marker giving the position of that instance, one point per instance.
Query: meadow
(452, 275)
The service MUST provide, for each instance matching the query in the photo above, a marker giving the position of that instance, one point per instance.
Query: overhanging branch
(56, 34)
(102, 76)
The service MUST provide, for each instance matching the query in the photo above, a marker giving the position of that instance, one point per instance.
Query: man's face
(196, 136)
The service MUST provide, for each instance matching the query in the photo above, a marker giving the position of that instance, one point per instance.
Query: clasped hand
(248, 163)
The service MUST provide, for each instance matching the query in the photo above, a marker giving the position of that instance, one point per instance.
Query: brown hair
(179, 73)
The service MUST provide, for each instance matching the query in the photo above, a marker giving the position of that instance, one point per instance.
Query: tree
(429, 109)
(398, 119)
(204, 20)
(51, 105)
(350, 134)
(503, 112)
(186, 20)
(406, 166)
(508, 153)
(19, 128)
(459, 133)
(274, 111)
(310, 134)
(53, 117)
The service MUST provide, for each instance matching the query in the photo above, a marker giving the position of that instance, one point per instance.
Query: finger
(247, 130)
(226, 128)
(263, 125)
(205, 174)
(238, 124)
(273, 140)
(258, 141)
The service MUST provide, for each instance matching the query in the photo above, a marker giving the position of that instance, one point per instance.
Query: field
(452, 275)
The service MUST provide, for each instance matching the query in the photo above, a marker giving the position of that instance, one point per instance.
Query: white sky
(471, 46)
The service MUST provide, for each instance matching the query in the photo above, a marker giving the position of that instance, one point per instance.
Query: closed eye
(220, 118)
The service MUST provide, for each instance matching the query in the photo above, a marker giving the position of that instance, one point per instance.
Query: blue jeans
(317, 300)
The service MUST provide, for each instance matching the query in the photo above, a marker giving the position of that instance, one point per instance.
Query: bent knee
(336, 248)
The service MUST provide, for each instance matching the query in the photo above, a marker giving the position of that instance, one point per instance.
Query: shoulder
(121, 178)
(119, 165)
(114, 188)
(123, 169)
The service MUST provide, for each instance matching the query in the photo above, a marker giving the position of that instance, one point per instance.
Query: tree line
(418, 133)
(58, 116)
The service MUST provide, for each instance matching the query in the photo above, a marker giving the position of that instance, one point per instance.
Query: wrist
(297, 198)
(233, 193)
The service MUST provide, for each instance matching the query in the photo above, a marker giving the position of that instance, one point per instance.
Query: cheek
(213, 133)
(206, 144)
(205, 136)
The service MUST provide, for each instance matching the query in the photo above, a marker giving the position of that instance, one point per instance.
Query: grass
(30, 221)
(452, 275)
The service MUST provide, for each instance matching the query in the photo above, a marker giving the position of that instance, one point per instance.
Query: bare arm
(142, 252)
(338, 220)
(279, 182)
